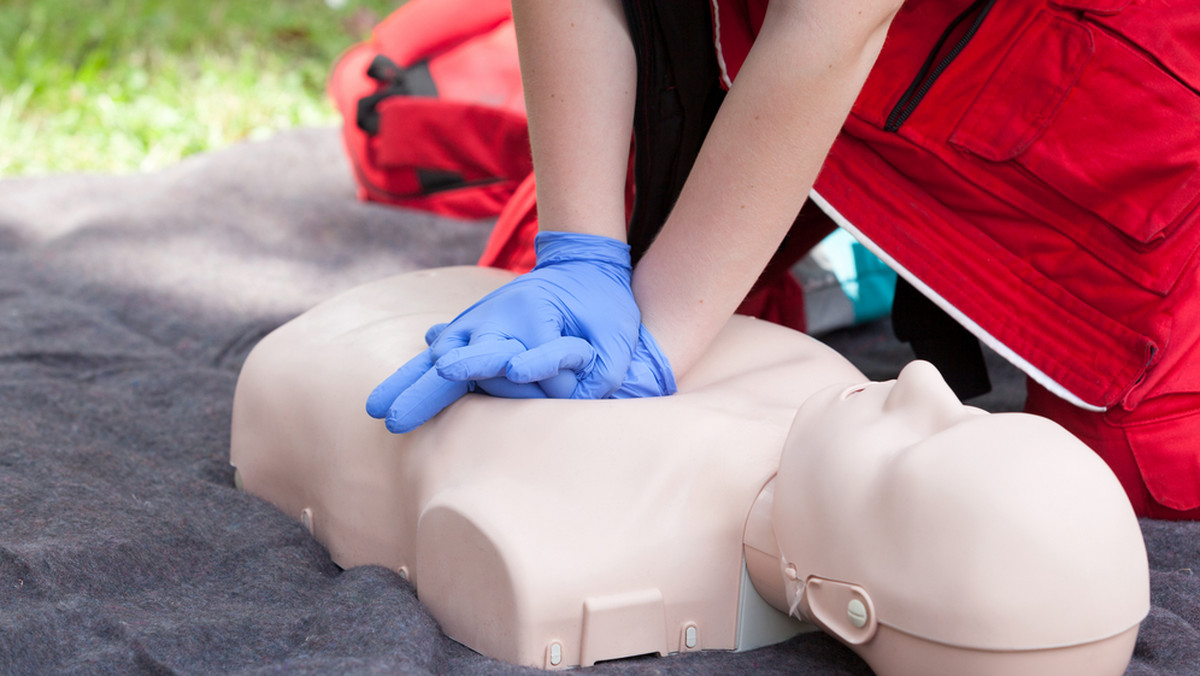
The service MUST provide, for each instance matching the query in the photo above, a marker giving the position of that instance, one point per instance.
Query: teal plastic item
(844, 284)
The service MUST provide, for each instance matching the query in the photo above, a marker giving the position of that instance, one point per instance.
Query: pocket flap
(1000, 126)
(1165, 452)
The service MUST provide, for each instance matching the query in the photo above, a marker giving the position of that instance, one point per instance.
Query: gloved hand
(567, 328)
(649, 373)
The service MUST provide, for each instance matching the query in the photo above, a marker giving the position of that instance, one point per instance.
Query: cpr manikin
(928, 536)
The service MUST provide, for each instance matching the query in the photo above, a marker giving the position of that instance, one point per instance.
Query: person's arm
(580, 77)
(756, 166)
(570, 327)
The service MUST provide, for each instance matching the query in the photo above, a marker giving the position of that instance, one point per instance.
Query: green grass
(128, 85)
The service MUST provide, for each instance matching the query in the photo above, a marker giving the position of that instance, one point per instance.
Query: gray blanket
(127, 304)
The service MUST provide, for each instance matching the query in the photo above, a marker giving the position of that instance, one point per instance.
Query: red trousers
(1149, 448)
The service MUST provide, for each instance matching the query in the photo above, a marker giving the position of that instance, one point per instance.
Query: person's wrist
(553, 247)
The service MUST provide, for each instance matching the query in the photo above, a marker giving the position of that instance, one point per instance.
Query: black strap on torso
(938, 339)
(678, 95)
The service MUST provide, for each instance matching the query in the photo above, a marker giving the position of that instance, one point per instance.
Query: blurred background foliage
(129, 85)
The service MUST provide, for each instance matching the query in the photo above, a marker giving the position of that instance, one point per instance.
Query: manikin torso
(558, 533)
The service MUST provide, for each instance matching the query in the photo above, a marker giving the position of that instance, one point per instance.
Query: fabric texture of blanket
(127, 304)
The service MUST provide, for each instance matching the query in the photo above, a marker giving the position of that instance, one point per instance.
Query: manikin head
(905, 518)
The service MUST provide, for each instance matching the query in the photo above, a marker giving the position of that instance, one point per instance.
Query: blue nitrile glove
(567, 328)
(650, 374)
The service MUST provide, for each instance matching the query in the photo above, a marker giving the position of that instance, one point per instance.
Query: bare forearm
(579, 71)
(756, 167)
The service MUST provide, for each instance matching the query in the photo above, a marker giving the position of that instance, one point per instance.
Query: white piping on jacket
(716, 19)
(987, 338)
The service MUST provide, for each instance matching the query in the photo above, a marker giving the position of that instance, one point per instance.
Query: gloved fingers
(424, 399)
(560, 386)
(607, 373)
(381, 398)
(557, 366)
(486, 357)
(435, 331)
(449, 337)
(503, 387)
(566, 353)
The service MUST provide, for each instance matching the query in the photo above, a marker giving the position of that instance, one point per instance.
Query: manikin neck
(764, 562)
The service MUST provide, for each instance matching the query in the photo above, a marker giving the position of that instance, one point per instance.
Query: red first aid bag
(433, 109)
